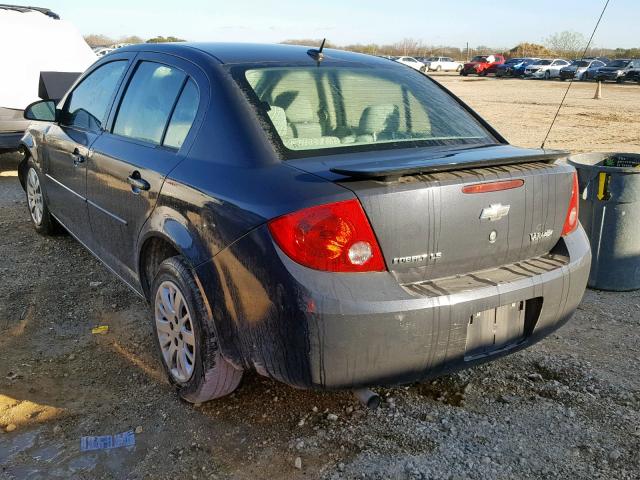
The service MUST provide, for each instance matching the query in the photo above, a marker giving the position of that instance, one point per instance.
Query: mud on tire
(44, 223)
(212, 376)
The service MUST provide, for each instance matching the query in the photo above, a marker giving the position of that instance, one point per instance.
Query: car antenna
(571, 82)
(316, 53)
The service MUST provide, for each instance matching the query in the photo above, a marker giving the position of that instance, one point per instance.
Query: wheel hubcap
(34, 196)
(175, 331)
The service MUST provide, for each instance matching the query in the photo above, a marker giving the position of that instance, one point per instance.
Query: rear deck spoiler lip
(440, 164)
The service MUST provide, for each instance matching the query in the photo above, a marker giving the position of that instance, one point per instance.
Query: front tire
(186, 337)
(547, 75)
(39, 213)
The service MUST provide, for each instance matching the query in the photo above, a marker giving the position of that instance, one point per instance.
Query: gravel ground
(566, 408)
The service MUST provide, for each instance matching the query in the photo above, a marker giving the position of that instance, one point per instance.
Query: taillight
(571, 222)
(335, 237)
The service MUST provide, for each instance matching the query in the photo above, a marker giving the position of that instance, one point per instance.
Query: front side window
(314, 108)
(87, 106)
(148, 102)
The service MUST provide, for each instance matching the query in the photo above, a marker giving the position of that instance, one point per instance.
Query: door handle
(137, 183)
(78, 158)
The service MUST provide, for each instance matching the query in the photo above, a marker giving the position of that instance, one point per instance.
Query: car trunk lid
(429, 227)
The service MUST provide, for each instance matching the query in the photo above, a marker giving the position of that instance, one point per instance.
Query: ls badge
(495, 212)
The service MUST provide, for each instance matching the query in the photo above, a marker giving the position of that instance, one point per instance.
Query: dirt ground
(566, 408)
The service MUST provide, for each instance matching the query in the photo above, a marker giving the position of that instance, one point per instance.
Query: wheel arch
(167, 233)
(28, 150)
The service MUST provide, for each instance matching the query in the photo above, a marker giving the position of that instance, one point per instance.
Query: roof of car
(240, 53)
(24, 9)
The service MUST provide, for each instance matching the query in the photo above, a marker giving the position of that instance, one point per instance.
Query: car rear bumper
(316, 329)
(567, 75)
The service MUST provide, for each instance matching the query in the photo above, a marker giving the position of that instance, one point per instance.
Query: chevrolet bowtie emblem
(495, 212)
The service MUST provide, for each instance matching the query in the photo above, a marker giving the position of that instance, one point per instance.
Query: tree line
(565, 44)
(99, 40)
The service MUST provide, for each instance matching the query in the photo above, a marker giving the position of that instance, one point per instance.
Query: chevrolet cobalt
(328, 219)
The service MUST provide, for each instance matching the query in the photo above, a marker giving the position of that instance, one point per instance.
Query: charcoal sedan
(328, 219)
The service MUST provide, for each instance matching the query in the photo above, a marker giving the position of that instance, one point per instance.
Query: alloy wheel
(34, 196)
(176, 335)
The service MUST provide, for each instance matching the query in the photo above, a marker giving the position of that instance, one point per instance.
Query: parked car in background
(617, 70)
(546, 68)
(482, 65)
(33, 40)
(633, 76)
(411, 62)
(513, 67)
(445, 64)
(578, 69)
(519, 69)
(591, 72)
(252, 197)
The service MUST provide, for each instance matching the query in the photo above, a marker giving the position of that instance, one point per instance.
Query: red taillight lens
(571, 222)
(335, 237)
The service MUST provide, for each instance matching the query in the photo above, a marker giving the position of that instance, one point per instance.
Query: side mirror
(41, 111)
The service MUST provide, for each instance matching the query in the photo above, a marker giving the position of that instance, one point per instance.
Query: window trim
(69, 95)
(187, 79)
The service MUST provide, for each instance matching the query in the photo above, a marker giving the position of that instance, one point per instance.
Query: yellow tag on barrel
(602, 182)
(101, 330)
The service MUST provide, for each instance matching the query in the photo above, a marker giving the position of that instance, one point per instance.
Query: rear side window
(148, 102)
(183, 116)
(87, 106)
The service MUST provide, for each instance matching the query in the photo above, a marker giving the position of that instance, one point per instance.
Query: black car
(617, 70)
(633, 76)
(328, 219)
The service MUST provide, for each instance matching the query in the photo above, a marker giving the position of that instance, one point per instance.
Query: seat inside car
(379, 122)
(303, 118)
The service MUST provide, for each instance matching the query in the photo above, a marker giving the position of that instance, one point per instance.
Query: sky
(497, 23)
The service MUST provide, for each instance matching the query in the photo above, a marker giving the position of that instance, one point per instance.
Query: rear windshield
(314, 108)
(619, 64)
(543, 62)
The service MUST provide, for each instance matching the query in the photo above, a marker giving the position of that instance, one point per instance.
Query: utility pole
(467, 51)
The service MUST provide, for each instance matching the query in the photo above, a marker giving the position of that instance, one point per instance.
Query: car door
(148, 135)
(67, 144)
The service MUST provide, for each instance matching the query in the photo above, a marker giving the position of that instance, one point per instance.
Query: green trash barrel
(610, 214)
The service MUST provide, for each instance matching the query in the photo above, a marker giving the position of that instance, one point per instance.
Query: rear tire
(186, 337)
(438, 68)
(547, 75)
(459, 69)
(39, 213)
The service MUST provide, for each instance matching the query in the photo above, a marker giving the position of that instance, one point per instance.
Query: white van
(33, 40)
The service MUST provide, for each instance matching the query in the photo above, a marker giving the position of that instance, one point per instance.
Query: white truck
(33, 40)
